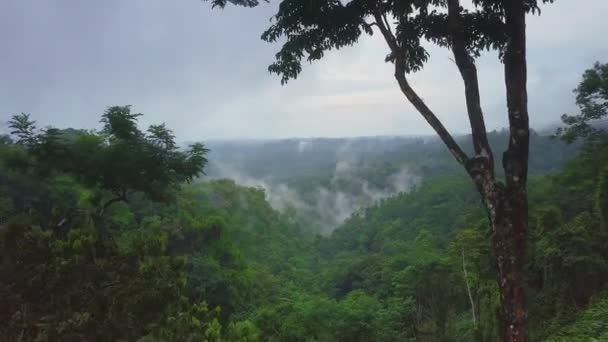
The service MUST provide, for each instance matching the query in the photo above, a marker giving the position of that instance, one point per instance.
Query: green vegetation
(217, 262)
(308, 31)
(105, 236)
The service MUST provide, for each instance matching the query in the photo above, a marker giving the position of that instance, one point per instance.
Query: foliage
(23, 128)
(218, 263)
(590, 324)
(312, 29)
(121, 159)
(592, 100)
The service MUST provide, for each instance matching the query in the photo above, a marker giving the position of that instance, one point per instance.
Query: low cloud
(323, 208)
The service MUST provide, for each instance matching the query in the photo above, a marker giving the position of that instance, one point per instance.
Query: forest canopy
(117, 229)
(196, 259)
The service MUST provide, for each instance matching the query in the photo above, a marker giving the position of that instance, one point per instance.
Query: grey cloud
(203, 71)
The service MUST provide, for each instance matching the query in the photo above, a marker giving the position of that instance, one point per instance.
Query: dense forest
(124, 233)
(118, 235)
(325, 180)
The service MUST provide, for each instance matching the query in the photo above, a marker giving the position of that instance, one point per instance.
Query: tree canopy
(121, 159)
(592, 100)
(308, 30)
(217, 262)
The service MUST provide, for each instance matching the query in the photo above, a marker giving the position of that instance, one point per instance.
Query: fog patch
(304, 145)
(321, 208)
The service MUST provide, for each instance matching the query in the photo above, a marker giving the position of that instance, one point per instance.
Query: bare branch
(413, 97)
(468, 71)
(387, 25)
(389, 37)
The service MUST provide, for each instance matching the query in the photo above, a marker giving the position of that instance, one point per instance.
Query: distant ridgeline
(326, 179)
(288, 159)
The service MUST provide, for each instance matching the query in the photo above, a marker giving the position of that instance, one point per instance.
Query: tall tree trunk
(509, 220)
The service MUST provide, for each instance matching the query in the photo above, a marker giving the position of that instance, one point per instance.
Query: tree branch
(112, 201)
(389, 37)
(413, 97)
(120, 197)
(468, 71)
(386, 24)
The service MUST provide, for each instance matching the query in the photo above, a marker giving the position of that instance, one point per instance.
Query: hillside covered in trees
(460, 231)
(326, 180)
(118, 235)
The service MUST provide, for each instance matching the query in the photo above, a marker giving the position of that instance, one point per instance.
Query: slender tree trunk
(466, 282)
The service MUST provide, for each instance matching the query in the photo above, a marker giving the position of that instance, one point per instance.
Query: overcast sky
(204, 72)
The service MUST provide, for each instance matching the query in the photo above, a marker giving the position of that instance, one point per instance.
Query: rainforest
(118, 235)
(156, 184)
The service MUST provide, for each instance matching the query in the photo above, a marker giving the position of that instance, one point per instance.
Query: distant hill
(326, 179)
(291, 159)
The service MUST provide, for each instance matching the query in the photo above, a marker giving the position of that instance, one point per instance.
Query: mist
(322, 206)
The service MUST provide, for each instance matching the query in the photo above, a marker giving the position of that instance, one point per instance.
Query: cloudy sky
(203, 71)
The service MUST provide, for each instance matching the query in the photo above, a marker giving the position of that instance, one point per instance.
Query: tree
(311, 28)
(23, 128)
(120, 160)
(154, 168)
(592, 99)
